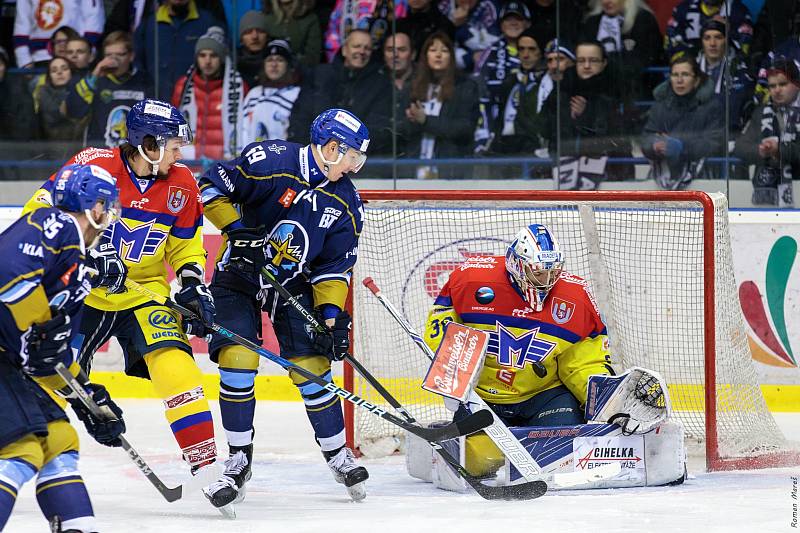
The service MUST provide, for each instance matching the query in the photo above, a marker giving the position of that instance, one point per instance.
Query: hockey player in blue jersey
(43, 281)
(293, 209)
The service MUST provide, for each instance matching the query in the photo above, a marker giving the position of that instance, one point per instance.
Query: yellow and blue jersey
(568, 336)
(42, 271)
(161, 221)
(313, 224)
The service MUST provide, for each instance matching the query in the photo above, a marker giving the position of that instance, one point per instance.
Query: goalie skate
(347, 472)
(229, 489)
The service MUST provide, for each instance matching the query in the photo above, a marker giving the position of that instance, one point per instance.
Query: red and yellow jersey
(568, 336)
(161, 220)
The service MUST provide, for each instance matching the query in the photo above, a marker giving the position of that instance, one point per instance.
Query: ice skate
(347, 472)
(229, 489)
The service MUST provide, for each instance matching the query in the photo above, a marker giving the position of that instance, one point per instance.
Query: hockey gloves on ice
(336, 342)
(111, 271)
(107, 429)
(196, 296)
(48, 342)
(246, 247)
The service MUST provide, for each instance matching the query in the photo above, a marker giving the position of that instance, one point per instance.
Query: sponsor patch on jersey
(286, 198)
(159, 324)
(561, 310)
(287, 249)
(484, 295)
(176, 199)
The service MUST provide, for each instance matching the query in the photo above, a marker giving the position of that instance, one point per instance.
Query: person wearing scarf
(268, 106)
(210, 96)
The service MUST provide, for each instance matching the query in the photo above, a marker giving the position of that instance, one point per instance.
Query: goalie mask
(534, 261)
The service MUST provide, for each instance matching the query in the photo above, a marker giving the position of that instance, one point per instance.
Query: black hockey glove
(196, 296)
(105, 430)
(111, 271)
(47, 342)
(335, 343)
(246, 247)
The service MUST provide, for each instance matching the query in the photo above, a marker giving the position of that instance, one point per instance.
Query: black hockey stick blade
(472, 423)
(524, 491)
(170, 494)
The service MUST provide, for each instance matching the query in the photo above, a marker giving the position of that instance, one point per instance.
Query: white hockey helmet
(534, 261)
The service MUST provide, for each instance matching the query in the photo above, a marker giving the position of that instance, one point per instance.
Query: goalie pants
(553, 407)
(242, 313)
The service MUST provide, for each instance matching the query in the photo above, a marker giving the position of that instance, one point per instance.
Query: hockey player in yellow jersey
(160, 225)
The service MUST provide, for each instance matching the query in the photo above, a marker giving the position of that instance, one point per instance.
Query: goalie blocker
(629, 426)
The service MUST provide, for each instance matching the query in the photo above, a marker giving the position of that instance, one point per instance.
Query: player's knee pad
(238, 367)
(316, 364)
(172, 372)
(62, 465)
(61, 438)
(28, 449)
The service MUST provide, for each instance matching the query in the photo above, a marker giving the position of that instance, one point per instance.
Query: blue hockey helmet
(160, 119)
(345, 128)
(78, 188)
(534, 261)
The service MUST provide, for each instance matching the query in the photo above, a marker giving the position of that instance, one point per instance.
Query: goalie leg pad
(443, 475)
(665, 451)
(419, 458)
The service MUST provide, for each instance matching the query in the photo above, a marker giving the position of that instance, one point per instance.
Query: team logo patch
(562, 310)
(49, 13)
(287, 249)
(484, 295)
(276, 148)
(177, 198)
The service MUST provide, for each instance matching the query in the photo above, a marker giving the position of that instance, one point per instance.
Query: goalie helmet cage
(659, 265)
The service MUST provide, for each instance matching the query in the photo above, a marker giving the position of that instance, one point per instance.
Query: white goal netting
(645, 263)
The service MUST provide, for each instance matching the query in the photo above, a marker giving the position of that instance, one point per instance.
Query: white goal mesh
(645, 257)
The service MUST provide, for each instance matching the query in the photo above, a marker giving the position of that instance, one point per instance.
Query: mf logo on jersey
(562, 310)
(287, 249)
(176, 199)
(513, 351)
(132, 243)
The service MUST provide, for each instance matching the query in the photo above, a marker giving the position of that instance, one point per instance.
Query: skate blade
(357, 492)
(240, 494)
(228, 511)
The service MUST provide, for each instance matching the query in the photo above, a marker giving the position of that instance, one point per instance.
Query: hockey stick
(523, 491)
(464, 427)
(508, 444)
(170, 494)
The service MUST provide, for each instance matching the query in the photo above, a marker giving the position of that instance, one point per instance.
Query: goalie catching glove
(637, 400)
(111, 271)
(196, 296)
(335, 342)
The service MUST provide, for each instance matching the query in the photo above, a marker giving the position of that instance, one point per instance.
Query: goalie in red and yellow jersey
(160, 225)
(546, 334)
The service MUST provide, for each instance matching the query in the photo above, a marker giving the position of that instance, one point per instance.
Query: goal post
(659, 265)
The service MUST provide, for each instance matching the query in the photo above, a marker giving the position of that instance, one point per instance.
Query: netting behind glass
(644, 262)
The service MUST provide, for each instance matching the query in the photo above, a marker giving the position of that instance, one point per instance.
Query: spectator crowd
(585, 83)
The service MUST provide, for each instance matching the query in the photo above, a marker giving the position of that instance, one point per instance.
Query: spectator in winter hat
(268, 107)
(296, 22)
(210, 96)
(253, 39)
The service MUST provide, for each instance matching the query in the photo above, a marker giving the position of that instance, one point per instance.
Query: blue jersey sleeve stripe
(210, 193)
(328, 277)
(187, 232)
(19, 290)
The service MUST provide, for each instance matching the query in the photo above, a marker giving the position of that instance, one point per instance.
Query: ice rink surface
(293, 491)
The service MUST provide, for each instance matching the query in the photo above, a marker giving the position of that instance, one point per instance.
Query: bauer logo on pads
(458, 362)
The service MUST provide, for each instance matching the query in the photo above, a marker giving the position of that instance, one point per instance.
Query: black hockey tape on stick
(471, 424)
(170, 494)
(524, 491)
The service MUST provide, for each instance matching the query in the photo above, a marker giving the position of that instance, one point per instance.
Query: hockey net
(658, 263)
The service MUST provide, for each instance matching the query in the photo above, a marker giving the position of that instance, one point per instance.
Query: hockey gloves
(111, 271)
(246, 247)
(196, 296)
(336, 342)
(105, 430)
(47, 342)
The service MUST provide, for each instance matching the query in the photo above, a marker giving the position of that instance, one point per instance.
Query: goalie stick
(498, 431)
(471, 424)
(170, 494)
(522, 491)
